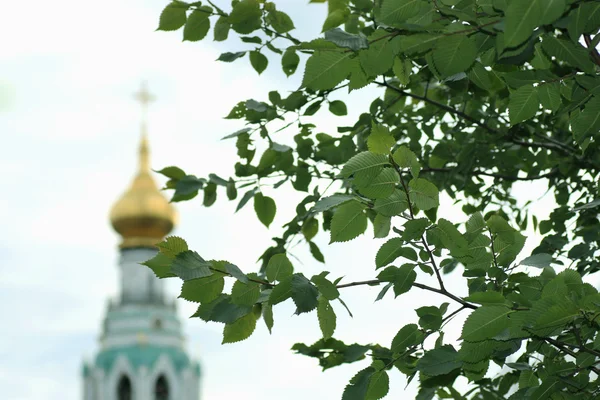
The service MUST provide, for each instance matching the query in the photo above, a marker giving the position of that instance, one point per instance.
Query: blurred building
(142, 354)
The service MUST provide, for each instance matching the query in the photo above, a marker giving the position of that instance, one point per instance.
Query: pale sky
(70, 128)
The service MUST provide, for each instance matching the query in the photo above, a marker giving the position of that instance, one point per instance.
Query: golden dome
(142, 216)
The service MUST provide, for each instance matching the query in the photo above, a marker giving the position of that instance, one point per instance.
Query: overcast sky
(70, 128)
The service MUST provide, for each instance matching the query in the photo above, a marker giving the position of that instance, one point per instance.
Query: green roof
(143, 355)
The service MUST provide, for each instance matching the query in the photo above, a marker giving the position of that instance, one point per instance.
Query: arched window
(161, 389)
(124, 389)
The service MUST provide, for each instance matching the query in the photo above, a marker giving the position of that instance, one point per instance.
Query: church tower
(142, 354)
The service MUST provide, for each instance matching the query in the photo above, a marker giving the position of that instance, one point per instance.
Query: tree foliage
(474, 96)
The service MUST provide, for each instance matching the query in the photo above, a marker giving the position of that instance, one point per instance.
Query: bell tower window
(124, 391)
(161, 389)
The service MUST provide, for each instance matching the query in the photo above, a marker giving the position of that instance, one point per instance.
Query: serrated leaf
(405, 158)
(326, 69)
(221, 29)
(572, 53)
(237, 273)
(577, 22)
(485, 323)
(172, 246)
(405, 277)
(549, 95)
(408, 336)
(454, 54)
(395, 12)
(366, 163)
(316, 252)
(521, 18)
(523, 104)
(335, 18)
(197, 25)
(439, 361)
(258, 61)
(588, 121)
(379, 385)
(539, 260)
(382, 185)
(310, 227)
(267, 312)
(346, 40)
(172, 17)
(359, 385)
(349, 221)
(245, 294)
(415, 228)
(279, 267)
(327, 203)
(424, 194)
(327, 318)
(189, 265)
(486, 298)
(380, 141)
(326, 287)
(379, 57)
(551, 11)
(221, 310)
(239, 330)
(203, 290)
(395, 204)
(230, 57)
(265, 208)
(402, 69)
(282, 291)
(245, 17)
(160, 264)
(280, 21)
(304, 293)
(390, 251)
(382, 226)
(172, 172)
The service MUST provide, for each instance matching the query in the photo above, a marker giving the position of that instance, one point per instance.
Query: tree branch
(592, 50)
(552, 172)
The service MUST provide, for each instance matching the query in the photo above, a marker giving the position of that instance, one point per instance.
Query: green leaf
(327, 203)
(395, 204)
(390, 251)
(240, 329)
(326, 287)
(405, 158)
(245, 17)
(539, 260)
(408, 336)
(222, 310)
(172, 246)
(237, 273)
(203, 290)
(577, 21)
(289, 61)
(197, 25)
(259, 61)
(316, 253)
(572, 53)
(405, 278)
(221, 29)
(189, 265)
(382, 186)
(523, 105)
(304, 294)
(338, 107)
(551, 11)
(402, 69)
(327, 318)
(380, 141)
(346, 40)
(521, 18)
(415, 228)
(280, 21)
(230, 57)
(381, 226)
(282, 291)
(279, 267)
(210, 195)
(310, 228)
(267, 310)
(173, 16)
(424, 194)
(439, 361)
(367, 164)
(379, 57)
(172, 172)
(245, 294)
(335, 19)
(395, 12)
(326, 69)
(549, 95)
(587, 123)
(485, 323)
(359, 385)
(160, 264)
(379, 385)
(486, 298)
(265, 208)
(349, 221)
(454, 54)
